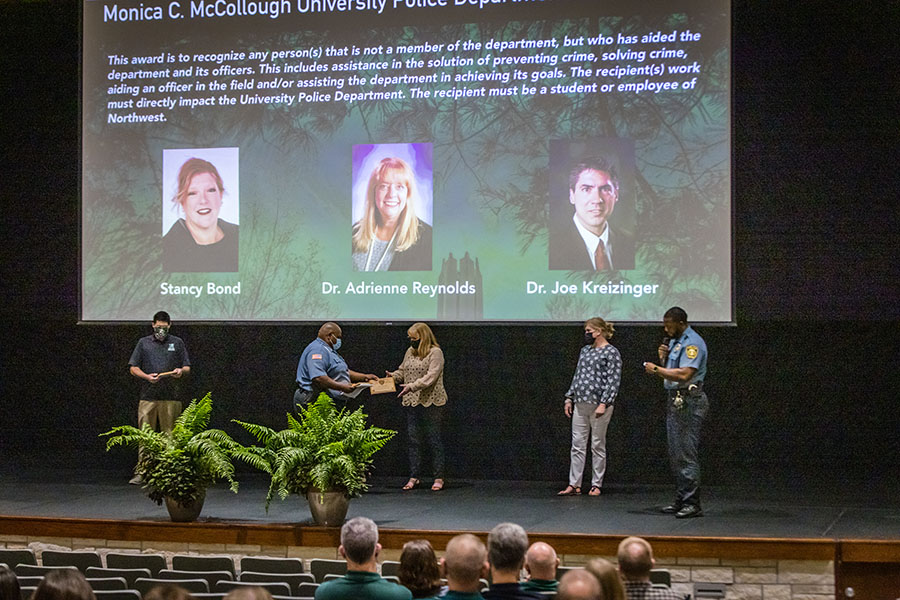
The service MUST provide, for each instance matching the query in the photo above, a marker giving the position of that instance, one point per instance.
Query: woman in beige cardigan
(422, 377)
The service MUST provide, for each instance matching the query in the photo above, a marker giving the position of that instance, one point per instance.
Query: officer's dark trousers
(425, 422)
(683, 429)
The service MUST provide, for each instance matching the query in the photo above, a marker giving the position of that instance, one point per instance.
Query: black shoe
(688, 511)
(670, 509)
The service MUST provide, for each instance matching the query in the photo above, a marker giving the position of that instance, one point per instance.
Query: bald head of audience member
(541, 561)
(464, 563)
(635, 559)
(578, 584)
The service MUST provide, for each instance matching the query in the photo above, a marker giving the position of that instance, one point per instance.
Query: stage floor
(807, 513)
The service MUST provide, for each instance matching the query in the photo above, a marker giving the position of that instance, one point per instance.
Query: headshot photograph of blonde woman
(392, 202)
(200, 216)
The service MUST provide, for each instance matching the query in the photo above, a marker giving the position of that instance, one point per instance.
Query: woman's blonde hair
(427, 340)
(407, 232)
(605, 328)
(611, 587)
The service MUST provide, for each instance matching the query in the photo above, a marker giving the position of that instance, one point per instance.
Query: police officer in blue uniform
(322, 369)
(686, 406)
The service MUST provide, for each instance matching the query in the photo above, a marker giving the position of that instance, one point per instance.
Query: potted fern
(178, 466)
(324, 455)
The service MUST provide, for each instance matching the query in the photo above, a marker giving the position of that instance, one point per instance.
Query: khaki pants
(160, 414)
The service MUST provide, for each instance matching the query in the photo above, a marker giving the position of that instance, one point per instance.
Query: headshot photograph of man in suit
(586, 237)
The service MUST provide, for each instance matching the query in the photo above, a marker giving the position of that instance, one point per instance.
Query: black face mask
(414, 344)
(588, 338)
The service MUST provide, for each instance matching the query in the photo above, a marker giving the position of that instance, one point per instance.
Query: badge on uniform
(677, 347)
(316, 357)
(691, 352)
(171, 346)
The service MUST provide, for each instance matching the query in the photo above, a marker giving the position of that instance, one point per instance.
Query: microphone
(665, 341)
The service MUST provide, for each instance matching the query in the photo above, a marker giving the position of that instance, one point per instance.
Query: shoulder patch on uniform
(691, 352)
(316, 357)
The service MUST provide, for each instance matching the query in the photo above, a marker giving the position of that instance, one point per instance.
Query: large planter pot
(185, 514)
(329, 509)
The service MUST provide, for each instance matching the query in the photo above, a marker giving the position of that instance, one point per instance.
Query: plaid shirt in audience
(644, 590)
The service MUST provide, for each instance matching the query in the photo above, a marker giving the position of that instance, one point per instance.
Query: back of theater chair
(273, 587)
(17, 556)
(134, 560)
(188, 562)
(34, 570)
(266, 564)
(117, 595)
(81, 560)
(107, 583)
(211, 577)
(129, 575)
(320, 567)
(292, 579)
(191, 585)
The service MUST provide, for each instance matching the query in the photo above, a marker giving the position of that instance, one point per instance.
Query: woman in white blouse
(422, 377)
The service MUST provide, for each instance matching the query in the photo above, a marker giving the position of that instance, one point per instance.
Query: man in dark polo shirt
(507, 545)
(159, 360)
(360, 547)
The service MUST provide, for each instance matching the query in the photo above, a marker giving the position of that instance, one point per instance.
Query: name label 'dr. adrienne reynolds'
(211, 289)
(366, 288)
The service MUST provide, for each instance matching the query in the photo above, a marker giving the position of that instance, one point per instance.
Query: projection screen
(381, 160)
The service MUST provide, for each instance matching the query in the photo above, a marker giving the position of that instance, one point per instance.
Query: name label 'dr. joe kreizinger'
(610, 288)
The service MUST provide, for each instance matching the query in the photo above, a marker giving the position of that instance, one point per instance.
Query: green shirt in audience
(540, 585)
(451, 595)
(361, 585)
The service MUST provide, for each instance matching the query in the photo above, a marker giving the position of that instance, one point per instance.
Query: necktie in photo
(600, 257)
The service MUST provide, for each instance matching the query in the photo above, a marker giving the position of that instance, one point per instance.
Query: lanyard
(381, 260)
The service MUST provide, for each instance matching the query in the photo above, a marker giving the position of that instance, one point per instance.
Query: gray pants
(585, 425)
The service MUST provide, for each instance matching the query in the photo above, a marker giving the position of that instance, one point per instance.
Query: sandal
(570, 490)
(595, 491)
(438, 485)
(411, 484)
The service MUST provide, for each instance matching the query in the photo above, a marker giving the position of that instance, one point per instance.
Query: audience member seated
(464, 564)
(167, 592)
(507, 544)
(611, 587)
(64, 584)
(9, 585)
(540, 564)
(360, 548)
(579, 584)
(248, 593)
(635, 563)
(419, 571)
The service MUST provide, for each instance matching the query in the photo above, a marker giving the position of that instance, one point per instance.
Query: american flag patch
(316, 357)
